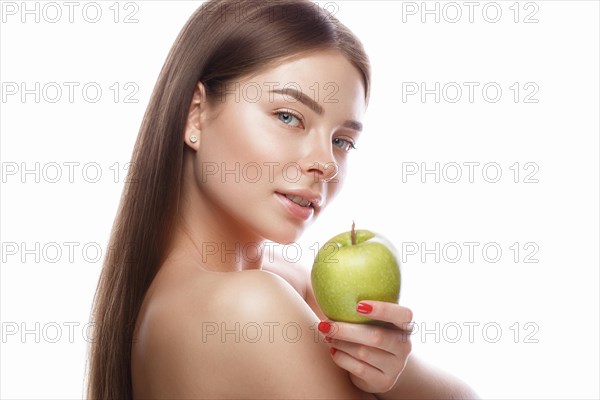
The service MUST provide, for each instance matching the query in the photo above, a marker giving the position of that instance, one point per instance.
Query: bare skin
(418, 380)
(221, 321)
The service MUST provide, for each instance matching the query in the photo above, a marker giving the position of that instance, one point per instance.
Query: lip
(314, 198)
(296, 210)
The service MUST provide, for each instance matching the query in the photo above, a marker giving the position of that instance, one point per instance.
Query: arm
(378, 359)
(256, 338)
(417, 380)
(422, 381)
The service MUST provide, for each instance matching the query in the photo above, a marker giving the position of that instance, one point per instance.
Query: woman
(245, 140)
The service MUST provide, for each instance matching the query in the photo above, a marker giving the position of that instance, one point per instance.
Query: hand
(375, 356)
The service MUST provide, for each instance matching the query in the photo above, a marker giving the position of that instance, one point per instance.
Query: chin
(280, 229)
(286, 234)
(286, 238)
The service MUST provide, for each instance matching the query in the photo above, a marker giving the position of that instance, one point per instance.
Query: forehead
(325, 76)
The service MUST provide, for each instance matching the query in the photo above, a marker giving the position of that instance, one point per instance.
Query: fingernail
(332, 350)
(324, 327)
(328, 339)
(364, 308)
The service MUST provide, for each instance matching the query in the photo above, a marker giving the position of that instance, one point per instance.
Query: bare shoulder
(233, 335)
(294, 273)
(298, 276)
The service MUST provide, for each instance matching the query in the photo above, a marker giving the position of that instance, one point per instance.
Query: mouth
(299, 200)
(302, 205)
(303, 197)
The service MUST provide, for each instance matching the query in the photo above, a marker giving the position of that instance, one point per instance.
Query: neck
(212, 252)
(207, 237)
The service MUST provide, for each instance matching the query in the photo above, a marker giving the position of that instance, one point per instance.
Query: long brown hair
(222, 41)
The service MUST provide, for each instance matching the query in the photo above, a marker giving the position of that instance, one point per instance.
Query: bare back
(231, 335)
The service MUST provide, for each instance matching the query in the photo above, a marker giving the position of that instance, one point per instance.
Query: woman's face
(273, 153)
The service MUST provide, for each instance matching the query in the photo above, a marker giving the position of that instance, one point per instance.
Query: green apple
(354, 266)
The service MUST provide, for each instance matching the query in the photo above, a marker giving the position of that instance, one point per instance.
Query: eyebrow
(355, 125)
(313, 105)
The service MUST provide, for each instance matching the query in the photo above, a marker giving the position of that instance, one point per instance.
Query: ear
(193, 129)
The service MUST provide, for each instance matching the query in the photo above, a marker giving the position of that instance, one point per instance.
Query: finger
(380, 359)
(395, 341)
(388, 363)
(364, 375)
(400, 316)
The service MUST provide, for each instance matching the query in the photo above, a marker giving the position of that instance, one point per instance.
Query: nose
(320, 161)
(324, 172)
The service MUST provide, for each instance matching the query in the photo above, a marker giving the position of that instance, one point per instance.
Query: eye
(289, 118)
(344, 144)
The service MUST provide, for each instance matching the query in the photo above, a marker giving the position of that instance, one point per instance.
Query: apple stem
(353, 234)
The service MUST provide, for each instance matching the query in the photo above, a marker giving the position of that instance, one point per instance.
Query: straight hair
(222, 41)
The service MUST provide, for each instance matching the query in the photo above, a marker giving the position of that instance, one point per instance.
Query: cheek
(336, 185)
(242, 134)
(236, 150)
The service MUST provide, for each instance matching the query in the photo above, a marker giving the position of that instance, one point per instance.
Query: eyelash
(350, 144)
(292, 113)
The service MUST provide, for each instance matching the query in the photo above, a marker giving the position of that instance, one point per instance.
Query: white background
(552, 304)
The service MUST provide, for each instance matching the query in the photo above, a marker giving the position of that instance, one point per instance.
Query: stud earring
(193, 138)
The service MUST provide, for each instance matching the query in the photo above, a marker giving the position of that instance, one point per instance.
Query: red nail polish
(324, 327)
(332, 350)
(364, 308)
(327, 339)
